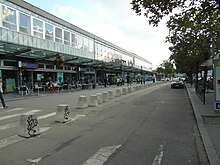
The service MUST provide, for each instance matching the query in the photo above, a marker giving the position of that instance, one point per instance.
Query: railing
(200, 91)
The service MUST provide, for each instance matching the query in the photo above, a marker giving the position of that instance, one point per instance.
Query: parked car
(177, 83)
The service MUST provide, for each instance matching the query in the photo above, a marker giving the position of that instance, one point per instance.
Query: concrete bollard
(104, 96)
(124, 91)
(130, 89)
(93, 101)
(28, 126)
(110, 94)
(63, 113)
(135, 88)
(82, 102)
(117, 92)
(99, 97)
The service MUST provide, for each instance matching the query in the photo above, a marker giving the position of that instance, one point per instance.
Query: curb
(209, 147)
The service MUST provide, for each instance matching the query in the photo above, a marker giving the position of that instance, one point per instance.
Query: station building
(36, 47)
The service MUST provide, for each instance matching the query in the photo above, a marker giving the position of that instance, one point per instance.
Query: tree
(166, 68)
(193, 27)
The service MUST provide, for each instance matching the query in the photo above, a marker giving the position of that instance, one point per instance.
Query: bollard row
(29, 126)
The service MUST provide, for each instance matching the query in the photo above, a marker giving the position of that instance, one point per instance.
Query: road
(152, 126)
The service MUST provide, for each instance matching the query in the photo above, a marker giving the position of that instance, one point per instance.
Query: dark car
(177, 83)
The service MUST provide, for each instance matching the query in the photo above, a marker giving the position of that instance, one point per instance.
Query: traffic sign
(217, 105)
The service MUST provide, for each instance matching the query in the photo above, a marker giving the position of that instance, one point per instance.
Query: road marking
(18, 114)
(47, 115)
(10, 140)
(35, 161)
(7, 126)
(11, 125)
(75, 118)
(101, 156)
(158, 158)
(15, 138)
(15, 109)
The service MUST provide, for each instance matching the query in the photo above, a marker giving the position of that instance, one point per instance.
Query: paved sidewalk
(208, 122)
(15, 96)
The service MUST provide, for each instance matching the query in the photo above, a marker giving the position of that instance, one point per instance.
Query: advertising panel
(217, 84)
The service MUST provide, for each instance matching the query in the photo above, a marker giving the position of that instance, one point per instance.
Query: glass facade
(128, 61)
(24, 23)
(66, 38)
(58, 35)
(140, 64)
(49, 32)
(73, 40)
(37, 26)
(9, 18)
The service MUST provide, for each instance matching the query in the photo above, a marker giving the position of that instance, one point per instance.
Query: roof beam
(18, 52)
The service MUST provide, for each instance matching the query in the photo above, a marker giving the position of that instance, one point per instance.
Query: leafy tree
(193, 27)
(166, 68)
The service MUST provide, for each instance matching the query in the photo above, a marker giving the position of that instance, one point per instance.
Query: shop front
(10, 79)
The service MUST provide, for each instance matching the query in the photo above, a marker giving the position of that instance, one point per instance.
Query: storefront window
(49, 32)
(9, 18)
(67, 67)
(49, 66)
(25, 23)
(38, 28)
(41, 65)
(58, 35)
(66, 38)
(10, 63)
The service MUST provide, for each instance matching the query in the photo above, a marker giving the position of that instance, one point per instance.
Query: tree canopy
(194, 26)
(166, 68)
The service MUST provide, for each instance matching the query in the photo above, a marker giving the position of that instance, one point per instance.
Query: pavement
(208, 120)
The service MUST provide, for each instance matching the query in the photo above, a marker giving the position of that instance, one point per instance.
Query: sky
(114, 21)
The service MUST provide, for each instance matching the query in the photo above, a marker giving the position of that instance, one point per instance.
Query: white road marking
(44, 129)
(10, 140)
(11, 125)
(7, 126)
(15, 109)
(101, 156)
(36, 161)
(15, 138)
(75, 118)
(18, 114)
(158, 158)
(47, 115)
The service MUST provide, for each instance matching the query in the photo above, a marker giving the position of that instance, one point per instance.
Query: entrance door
(9, 80)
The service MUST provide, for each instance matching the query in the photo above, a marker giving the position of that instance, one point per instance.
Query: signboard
(59, 77)
(22, 64)
(10, 84)
(217, 106)
(39, 77)
(217, 84)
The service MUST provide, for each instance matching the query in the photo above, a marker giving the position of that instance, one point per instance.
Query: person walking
(105, 81)
(1, 94)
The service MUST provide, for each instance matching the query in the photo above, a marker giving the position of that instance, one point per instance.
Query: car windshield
(176, 80)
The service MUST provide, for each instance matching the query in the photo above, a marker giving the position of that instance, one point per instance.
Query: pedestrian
(128, 80)
(105, 81)
(1, 94)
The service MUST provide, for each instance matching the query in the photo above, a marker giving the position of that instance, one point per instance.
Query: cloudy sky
(114, 21)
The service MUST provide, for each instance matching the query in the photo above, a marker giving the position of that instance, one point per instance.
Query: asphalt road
(149, 127)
